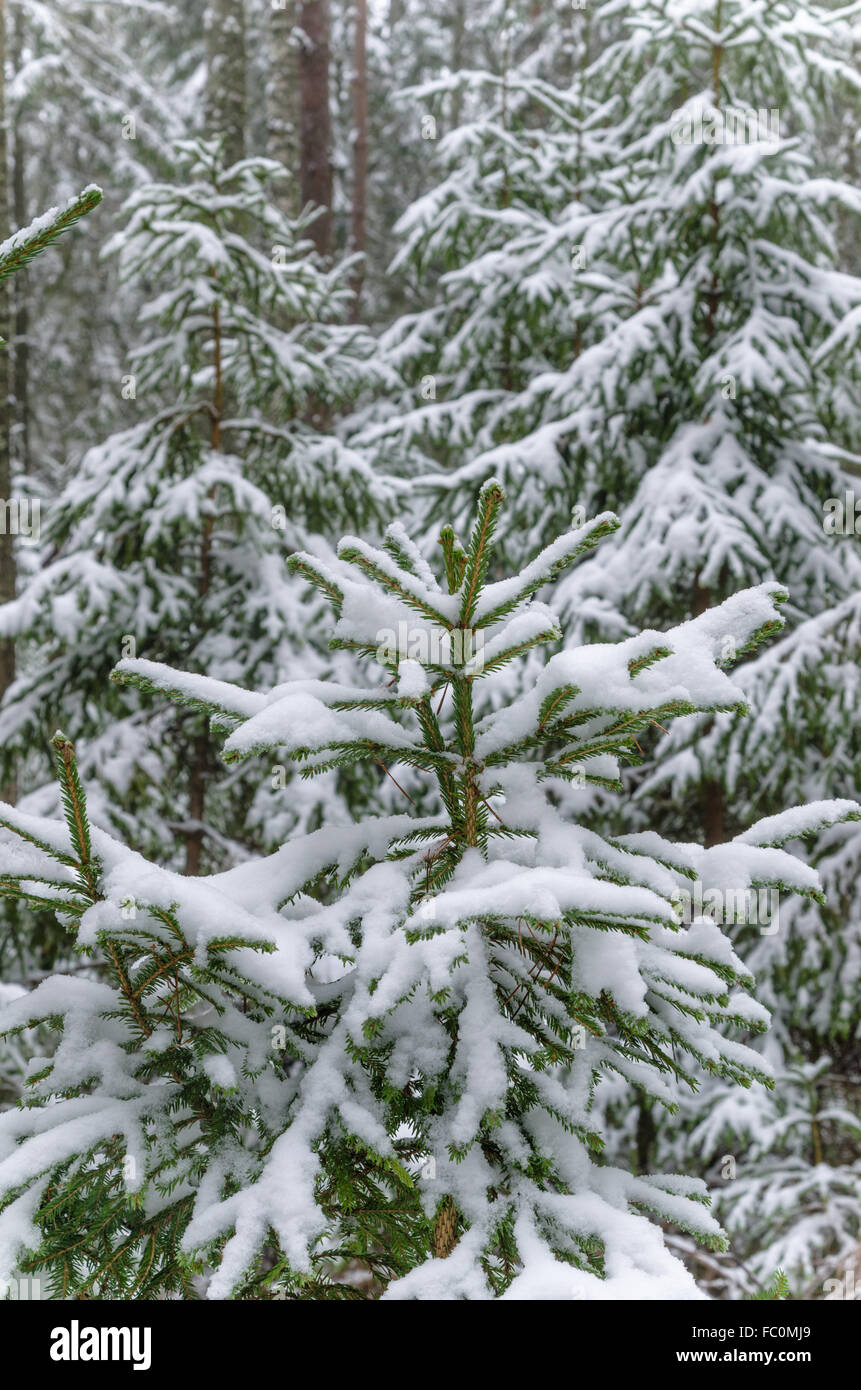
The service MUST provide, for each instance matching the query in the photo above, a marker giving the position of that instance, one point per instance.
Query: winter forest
(430, 650)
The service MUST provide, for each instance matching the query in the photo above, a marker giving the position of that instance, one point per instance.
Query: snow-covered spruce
(784, 1172)
(379, 1044)
(719, 412)
(169, 541)
(642, 303)
(638, 301)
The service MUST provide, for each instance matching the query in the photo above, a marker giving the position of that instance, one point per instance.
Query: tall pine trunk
(458, 40)
(282, 100)
(225, 117)
(20, 284)
(315, 120)
(7, 540)
(201, 752)
(360, 149)
(713, 793)
(712, 796)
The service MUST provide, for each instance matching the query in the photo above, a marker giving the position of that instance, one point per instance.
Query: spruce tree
(739, 355)
(379, 1045)
(170, 538)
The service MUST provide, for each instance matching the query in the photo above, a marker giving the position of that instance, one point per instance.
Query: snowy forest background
(503, 238)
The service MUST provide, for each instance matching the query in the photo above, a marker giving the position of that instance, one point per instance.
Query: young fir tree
(169, 540)
(380, 1044)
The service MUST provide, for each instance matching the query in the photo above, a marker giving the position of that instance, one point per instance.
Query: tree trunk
(713, 813)
(458, 40)
(315, 123)
(712, 792)
(360, 149)
(7, 540)
(646, 1131)
(282, 101)
(196, 805)
(201, 752)
(225, 75)
(20, 284)
(225, 117)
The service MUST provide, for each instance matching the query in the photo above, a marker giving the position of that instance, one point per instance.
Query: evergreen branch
(554, 703)
(548, 565)
(642, 663)
(62, 858)
(353, 554)
(19, 249)
(306, 566)
(489, 665)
